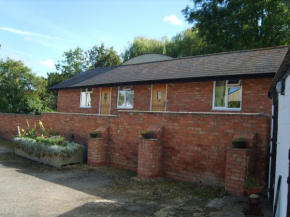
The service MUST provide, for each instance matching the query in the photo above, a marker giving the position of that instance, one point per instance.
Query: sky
(38, 32)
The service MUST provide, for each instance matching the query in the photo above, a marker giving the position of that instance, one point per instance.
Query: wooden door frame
(100, 100)
(151, 97)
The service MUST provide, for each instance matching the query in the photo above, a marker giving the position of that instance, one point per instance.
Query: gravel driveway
(29, 188)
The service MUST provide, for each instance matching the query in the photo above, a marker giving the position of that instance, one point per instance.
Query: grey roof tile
(260, 61)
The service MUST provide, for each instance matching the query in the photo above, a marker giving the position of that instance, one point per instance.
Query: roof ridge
(197, 56)
(211, 54)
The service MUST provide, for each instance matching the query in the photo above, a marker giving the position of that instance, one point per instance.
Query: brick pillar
(150, 154)
(98, 148)
(238, 163)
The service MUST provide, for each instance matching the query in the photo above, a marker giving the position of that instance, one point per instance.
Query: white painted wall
(283, 146)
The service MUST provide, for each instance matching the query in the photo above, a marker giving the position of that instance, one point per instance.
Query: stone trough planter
(49, 154)
(56, 161)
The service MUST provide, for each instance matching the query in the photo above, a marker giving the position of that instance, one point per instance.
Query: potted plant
(239, 142)
(146, 134)
(94, 134)
(253, 186)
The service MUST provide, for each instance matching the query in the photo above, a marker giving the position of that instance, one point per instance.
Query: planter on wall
(239, 144)
(56, 161)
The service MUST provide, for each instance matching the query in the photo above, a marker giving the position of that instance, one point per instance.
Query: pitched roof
(250, 62)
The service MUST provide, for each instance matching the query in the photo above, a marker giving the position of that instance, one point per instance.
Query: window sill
(227, 109)
(85, 107)
(123, 108)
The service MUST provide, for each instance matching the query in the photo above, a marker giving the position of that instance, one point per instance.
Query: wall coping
(85, 114)
(19, 114)
(195, 113)
(147, 112)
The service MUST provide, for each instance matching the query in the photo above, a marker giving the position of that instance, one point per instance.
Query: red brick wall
(9, 123)
(194, 143)
(69, 101)
(188, 97)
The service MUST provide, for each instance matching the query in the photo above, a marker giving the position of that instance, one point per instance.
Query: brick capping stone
(83, 114)
(237, 165)
(195, 113)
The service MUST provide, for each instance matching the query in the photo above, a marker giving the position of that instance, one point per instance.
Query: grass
(170, 189)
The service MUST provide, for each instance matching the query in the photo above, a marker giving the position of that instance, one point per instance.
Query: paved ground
(29, 188)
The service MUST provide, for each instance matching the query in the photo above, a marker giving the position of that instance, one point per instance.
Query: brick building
(194, 106)
(226, 82)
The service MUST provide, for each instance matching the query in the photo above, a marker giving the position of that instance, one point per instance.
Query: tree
(21, 91)
(102, 57)
(186, 43)
(77, 61)
(142, 45)
(74, 62)
(240, 24)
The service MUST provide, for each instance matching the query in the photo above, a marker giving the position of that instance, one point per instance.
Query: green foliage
(183, 44)
(146, 134)
(52, 140)
(76, 61)
(142, 45)
(239, 139)
(226, 25)
(100, 56)
(21, 91)
(94, 134)
(41, 148)
(252, 183)
(186, 43)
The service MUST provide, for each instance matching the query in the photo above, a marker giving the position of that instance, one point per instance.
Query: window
(227, 95)
(86, 97)
(125, 97)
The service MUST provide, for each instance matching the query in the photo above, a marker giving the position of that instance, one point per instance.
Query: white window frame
(81, 106)
(125, 107)
(226, 98)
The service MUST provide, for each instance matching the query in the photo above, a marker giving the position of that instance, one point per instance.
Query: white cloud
(32, 34)
(173, 20)
(49, 63)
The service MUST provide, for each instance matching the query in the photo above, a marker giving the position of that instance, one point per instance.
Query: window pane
(121, 101)
(89, 98)
(83, 98)
(159, 95)
(90, 89)
(234, 97)
(220, 94)
(129, 98)
(83, 89)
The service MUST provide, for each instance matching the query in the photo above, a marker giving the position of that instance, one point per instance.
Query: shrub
(53, 140)
(42, 148)
(239, 139)
(94, 134)
(252, 183)
(146, 134)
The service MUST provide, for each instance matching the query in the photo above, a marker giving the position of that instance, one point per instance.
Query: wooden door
(159, 97)
(105, 101)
